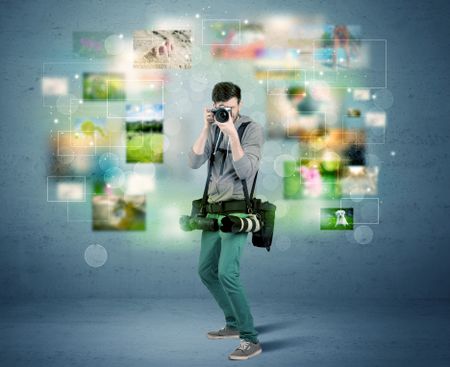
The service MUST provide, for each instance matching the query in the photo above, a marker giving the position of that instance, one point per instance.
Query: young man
(221, 251)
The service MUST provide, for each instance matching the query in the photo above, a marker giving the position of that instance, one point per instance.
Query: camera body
(221, 114)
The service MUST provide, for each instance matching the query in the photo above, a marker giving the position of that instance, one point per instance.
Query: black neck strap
(247, 197)
(208, 176)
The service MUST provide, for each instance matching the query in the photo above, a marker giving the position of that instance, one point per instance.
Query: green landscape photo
(145, 138)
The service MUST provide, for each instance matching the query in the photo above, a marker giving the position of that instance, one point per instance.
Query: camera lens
(222, 115)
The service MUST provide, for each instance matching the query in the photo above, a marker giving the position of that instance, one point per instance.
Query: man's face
(233, 104)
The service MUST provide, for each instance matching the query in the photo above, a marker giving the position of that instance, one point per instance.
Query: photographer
(219, 262)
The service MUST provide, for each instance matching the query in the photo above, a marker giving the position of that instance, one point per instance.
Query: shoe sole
(236, 358)
(223, 337)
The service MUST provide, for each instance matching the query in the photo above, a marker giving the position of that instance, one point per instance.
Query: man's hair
(224, 91)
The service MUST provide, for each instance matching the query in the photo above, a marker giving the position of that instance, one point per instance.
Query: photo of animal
(337, 219)
(340, 218)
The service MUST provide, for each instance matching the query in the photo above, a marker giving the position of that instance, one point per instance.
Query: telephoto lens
(185, 223)
(204, 223)
(232, 223)
(188, 223)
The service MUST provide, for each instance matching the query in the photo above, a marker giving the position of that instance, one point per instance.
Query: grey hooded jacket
(226, 174)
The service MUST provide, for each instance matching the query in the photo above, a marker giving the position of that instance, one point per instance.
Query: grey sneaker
(246, 350)
(224, 333)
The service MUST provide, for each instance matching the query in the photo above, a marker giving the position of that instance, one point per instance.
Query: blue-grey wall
(41, 254)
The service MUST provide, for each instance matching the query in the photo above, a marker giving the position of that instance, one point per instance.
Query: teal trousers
(219, 270)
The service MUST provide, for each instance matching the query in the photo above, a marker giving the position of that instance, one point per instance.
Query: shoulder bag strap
(208, 176)
(244, 182)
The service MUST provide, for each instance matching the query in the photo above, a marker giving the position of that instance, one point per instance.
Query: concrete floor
(172, 332)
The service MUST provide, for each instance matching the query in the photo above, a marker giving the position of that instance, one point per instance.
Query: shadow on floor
(272, 345)
(277, 344)
(267, 328)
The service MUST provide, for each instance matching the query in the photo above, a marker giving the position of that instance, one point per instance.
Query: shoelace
(244, 345)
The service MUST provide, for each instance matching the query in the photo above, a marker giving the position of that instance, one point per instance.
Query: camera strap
(210, 163)
(247, 197)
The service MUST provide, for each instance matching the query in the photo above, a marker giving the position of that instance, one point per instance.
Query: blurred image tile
(103, 86)
(145, 138)
(234, 43)
(118, 212)
(336, 219)
(90, 45)
(162, 49)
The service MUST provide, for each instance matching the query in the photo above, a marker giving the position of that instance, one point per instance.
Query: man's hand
(199, 145)
(208, 118)
(228, 127)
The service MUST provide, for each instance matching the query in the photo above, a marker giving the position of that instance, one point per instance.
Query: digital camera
(221, 114)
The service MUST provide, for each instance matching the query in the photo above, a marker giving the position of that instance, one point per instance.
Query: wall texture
(41, 254)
